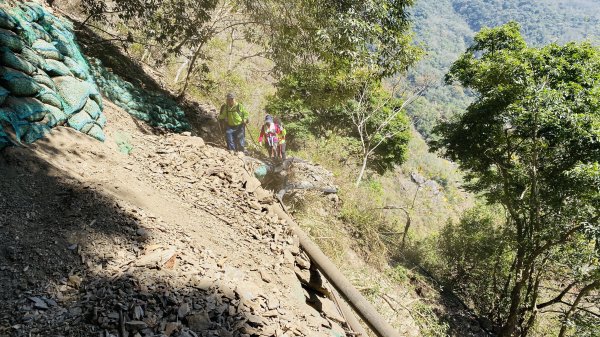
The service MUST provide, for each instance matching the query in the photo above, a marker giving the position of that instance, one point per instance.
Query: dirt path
(175, 239)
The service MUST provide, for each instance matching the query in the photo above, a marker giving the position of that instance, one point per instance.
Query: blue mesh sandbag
(12, 60)
(44, 79)
(74, 91)
(39, 11)
(6, 21)
(101, 121)
(97, 133)
(49, 97)
(79, 120)
(33, 58)
(55, 116)
(35, 132)
(8, 119)
(56, 68)
(65, 49)
(10, 40)
(75, 68)
(18, 83)
(40, 32)
(3, 95)
(47, 50)
(92, 109)
(86, 128)
(24, 107)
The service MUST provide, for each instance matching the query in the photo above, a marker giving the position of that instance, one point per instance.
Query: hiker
(282, 134)
(235, 118)
(271, 133)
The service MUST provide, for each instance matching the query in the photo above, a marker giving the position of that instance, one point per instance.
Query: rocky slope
(175, 239)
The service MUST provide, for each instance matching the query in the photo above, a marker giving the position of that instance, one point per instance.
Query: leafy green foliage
(476, 257)
(446, 27)
(534, 123)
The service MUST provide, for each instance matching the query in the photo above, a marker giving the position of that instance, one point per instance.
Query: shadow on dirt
(61, 273)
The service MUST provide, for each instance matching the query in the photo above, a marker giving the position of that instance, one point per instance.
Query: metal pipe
(365, 309)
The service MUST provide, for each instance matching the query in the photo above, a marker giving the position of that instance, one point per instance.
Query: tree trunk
(190, 70)
(362, 169)
(582, 294)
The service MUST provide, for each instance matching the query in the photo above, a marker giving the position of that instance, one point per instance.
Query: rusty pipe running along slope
(364, 309)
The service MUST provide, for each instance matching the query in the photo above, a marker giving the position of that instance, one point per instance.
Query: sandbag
(15, 61)
(47, 50)
(40, 32)
(75, 68)
(10, 40)
(35, 132)
(74, 91)
(44, 79)
(3, 95)
(24, 107)
(49, 97)
(55, 116)
(56, 68)
(92, 109)
(64, 48)
(18, 83)
(6, 22)
(97, 133)
(79, 120)
(101, 121)
(32, 57)
(37, 9)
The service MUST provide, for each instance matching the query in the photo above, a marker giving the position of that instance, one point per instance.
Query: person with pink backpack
(274, 136)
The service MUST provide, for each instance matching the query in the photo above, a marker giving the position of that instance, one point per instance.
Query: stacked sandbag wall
(44, 79)
(154, 108)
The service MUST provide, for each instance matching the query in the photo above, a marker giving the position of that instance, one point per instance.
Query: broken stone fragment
(199, 322)
(135, 325)
(183, 310)
(38, 303)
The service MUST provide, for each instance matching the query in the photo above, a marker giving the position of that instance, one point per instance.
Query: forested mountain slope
(446, 27)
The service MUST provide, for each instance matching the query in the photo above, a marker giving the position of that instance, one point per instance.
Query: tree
(381, 124)
(531, 142)
(173, 27)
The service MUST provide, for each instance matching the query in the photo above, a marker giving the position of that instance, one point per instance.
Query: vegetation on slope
(447, 27)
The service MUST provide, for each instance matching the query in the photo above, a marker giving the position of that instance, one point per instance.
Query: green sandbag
(55, 116)
(101, 121)
(87, 128)
(44, 79)
(79, 120)
(18, 83)
(97, 133)
(39, 10)
(97, 97)
(32, 57)
(3, 95)
(12, 60)
(10, 40)
(65, 49)
(47, 50)
(56, 68)
(92, 109)
(75, 92)
(36, 131)
(49, 97)
(6, 21)
(40, 32)
(75, 68)
(24, 107)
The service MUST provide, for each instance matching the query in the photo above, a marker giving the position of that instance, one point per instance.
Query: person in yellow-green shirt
(235, 118)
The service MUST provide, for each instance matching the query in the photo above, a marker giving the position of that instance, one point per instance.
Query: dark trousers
(236, 137)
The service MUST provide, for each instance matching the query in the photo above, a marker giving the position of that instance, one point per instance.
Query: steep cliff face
(44, 79)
